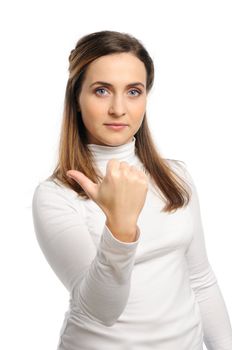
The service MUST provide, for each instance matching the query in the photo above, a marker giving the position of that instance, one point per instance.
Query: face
(118, 97)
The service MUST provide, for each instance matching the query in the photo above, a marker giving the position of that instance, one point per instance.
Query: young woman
(119, 224)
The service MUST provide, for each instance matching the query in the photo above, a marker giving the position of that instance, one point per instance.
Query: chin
(117, 141)
(112, 140)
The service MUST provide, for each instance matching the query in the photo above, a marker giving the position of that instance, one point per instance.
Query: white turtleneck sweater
(158, 292)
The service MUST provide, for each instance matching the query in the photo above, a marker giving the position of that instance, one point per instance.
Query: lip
(116, 124)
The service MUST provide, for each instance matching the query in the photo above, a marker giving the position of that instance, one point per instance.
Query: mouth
(116, 126)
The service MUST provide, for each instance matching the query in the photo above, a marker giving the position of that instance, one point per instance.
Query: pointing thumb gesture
(121, 193)
(88, 186)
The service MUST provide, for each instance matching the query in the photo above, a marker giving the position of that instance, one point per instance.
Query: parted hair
(73, 152)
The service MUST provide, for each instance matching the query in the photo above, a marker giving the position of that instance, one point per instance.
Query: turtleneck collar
(102, 154)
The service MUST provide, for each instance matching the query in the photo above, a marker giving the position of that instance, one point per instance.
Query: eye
(103, 89)
(139, 92)
(100, 89)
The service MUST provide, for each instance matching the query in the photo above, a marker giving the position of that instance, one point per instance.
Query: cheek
(92, 110)
(138, 109)
(138, 104)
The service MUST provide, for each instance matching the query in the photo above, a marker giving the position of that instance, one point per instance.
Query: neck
(102, 154)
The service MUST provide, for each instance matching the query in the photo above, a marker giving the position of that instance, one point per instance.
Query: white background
(189, 112)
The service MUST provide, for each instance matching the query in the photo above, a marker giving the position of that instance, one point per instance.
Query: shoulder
(53, 193)
(176, 164)
(181, 168)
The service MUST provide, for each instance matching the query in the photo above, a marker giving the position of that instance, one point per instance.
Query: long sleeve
(216, 323)
(97, 278)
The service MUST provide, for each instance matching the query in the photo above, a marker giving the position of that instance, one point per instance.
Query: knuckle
(144, 179)
(124, 164)
(113, 161)
(114, 174)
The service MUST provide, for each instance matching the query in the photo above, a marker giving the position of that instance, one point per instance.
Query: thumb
(88, 186)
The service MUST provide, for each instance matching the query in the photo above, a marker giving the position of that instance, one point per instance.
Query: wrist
(125, 233)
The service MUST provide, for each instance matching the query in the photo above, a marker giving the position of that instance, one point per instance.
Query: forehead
(116, 68)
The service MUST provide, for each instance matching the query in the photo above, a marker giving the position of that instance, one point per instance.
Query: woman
(120, 225)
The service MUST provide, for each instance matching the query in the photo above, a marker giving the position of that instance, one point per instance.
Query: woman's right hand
(121, 194)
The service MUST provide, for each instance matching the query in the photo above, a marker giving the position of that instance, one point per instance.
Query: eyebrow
(108, 84)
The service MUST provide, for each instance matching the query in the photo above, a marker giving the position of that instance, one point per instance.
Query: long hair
(73, 153)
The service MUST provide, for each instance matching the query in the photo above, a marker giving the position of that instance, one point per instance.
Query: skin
(116, 103)
(116, 194)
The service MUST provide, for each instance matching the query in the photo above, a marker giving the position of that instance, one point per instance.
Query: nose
(117, 106)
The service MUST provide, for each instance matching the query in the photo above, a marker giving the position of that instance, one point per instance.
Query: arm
(216, 323)
(97, 279)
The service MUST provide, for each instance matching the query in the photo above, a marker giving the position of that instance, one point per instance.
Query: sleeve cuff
(112, 239)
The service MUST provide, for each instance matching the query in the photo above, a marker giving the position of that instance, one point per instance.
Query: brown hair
(73, 153)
